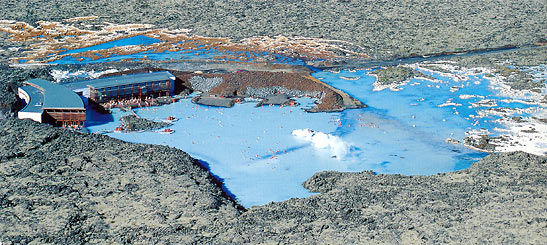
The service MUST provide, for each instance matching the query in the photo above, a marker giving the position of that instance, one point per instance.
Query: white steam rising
(335, 145)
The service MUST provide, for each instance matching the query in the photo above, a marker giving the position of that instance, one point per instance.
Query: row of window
(136, 86)
(65, 111)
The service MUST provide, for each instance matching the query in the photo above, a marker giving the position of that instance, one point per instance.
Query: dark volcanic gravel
(62, 187)
(214, 101)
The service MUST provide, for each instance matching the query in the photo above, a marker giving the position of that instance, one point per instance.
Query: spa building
(126, 86)
(47, 102)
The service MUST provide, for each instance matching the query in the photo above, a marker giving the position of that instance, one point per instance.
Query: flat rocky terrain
(64, 187)
(384, 28)
(518, 58)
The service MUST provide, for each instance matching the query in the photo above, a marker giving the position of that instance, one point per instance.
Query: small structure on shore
(47, 102)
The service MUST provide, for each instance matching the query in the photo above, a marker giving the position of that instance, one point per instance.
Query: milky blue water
(253, 152)
(418, 103)
(250, 148)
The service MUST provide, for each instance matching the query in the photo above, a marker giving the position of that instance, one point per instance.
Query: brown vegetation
(49, 39)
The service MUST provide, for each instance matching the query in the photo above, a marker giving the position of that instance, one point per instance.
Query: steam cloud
(319, 140)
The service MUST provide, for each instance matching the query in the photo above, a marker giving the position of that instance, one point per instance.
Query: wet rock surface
(214, 101)
(481, 142)
(276, 99)
(520, 80)
(63, 187)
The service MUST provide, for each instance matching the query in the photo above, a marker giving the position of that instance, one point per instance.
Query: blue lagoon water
(254, 152)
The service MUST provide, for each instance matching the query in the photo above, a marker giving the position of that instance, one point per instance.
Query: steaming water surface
(264, 154)
(260, 158)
